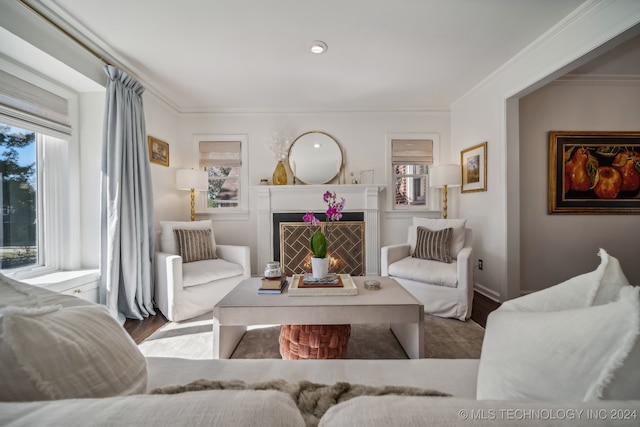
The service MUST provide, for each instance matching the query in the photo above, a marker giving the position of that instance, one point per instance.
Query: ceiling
(250, 55)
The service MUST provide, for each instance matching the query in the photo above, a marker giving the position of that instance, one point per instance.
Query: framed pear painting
(594, 172)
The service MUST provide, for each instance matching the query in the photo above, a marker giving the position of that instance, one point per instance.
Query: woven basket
(314, 341)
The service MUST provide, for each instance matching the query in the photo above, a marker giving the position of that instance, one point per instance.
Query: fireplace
(288, 203)
(346, 243)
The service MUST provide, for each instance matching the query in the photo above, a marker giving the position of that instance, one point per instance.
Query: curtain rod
(65, 32)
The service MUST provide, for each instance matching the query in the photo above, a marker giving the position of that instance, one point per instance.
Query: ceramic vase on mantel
(319, 267)
(280, 174)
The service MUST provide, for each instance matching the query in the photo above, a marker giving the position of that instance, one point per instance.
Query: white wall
(556, 247)
(91, 107)
(481, 115)
(361, 135)
(163, 123)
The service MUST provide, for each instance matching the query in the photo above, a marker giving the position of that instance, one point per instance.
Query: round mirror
(315, 158)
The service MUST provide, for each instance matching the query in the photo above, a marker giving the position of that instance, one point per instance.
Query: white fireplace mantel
(270, 199)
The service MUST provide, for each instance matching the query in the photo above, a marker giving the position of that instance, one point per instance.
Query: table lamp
(192, 179)
(444, 176)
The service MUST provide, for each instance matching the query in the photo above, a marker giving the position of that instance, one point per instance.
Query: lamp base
(193, 204)
(444, 202)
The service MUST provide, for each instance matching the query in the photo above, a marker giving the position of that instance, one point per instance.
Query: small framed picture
(158, 151)
(473, 162)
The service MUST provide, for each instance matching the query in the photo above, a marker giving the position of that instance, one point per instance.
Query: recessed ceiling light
(317, 46)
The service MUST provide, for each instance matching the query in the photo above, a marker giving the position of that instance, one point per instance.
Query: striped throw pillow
(194, 245)
(433, 244)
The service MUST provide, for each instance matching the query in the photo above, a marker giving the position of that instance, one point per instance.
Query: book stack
(272, 285)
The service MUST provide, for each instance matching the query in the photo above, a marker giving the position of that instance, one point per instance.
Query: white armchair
(188, 289)
(445, 289)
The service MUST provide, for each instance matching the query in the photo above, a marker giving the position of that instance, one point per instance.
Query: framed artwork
(594, 172)
(473, 162)
(158, 151)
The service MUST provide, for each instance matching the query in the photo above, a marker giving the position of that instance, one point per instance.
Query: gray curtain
(126, 256)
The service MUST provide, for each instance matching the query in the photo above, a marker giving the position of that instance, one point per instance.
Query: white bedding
(454, 376)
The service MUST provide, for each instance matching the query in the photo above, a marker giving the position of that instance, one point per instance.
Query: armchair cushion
(168, 242)
(457, 238)
(427, 271)
(433, 245)
(199, 272)
(194, 245)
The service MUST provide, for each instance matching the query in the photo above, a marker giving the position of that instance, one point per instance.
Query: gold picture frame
(593, 172)
(158, 151)
(473, 162)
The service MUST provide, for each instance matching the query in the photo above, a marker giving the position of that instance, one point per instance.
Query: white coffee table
(391, 304)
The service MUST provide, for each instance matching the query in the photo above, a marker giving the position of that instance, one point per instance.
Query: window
(410, 160)
(36, 173)
(19, 195)
(224, 158)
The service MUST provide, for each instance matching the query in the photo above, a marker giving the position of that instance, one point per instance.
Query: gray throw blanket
(312, 399)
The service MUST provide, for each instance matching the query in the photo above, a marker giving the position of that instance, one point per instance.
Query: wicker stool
(314, 341)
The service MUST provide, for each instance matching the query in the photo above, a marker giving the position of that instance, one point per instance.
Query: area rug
(193, 339)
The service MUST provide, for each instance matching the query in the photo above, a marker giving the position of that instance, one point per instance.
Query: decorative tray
(348, 288)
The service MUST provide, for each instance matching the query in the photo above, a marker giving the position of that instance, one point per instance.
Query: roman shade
(28, 103)
(220, 153)
(411, 151)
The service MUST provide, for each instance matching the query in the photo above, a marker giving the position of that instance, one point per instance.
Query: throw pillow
(194, 245)
(433, 244)
(52, 353)
(168, 239)
(457, 239)
(598, 287)
(568, 355)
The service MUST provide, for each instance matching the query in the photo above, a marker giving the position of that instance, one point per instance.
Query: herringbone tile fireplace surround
(346, 247)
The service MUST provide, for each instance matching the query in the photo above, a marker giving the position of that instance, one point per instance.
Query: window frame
(242, 209)
(430, 198)
(59, 241)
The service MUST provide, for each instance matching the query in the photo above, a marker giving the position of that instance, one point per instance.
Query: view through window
(18, 169)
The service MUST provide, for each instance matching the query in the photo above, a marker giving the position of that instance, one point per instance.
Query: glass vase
(280, 174)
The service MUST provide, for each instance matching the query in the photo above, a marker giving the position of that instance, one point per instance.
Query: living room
(580, 73)
(513, 234)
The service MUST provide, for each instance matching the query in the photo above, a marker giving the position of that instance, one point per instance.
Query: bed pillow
(457, 238)
(168, 242)
(194, 245)
(52, 353)
(578, 354)
(433, 245)
(600, 286)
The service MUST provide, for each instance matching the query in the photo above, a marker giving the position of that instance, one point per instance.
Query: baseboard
(489, 293)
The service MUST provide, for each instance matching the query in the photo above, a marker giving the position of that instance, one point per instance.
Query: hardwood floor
(482, 306)
(141, 329)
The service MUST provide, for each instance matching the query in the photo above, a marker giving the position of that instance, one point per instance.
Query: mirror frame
(335, 141)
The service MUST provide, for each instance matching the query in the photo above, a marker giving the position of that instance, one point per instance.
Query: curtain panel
(126, 256)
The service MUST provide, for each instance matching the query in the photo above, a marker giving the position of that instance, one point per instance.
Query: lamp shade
(449, 175)
(187, 179)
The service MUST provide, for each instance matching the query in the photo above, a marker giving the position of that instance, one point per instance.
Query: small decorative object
(318, 241)
(280, 174)
(158, 151)
(473, 161)
(272, 270)
(594, 172)
(373, 285)
(264, 181)
(279, 146)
